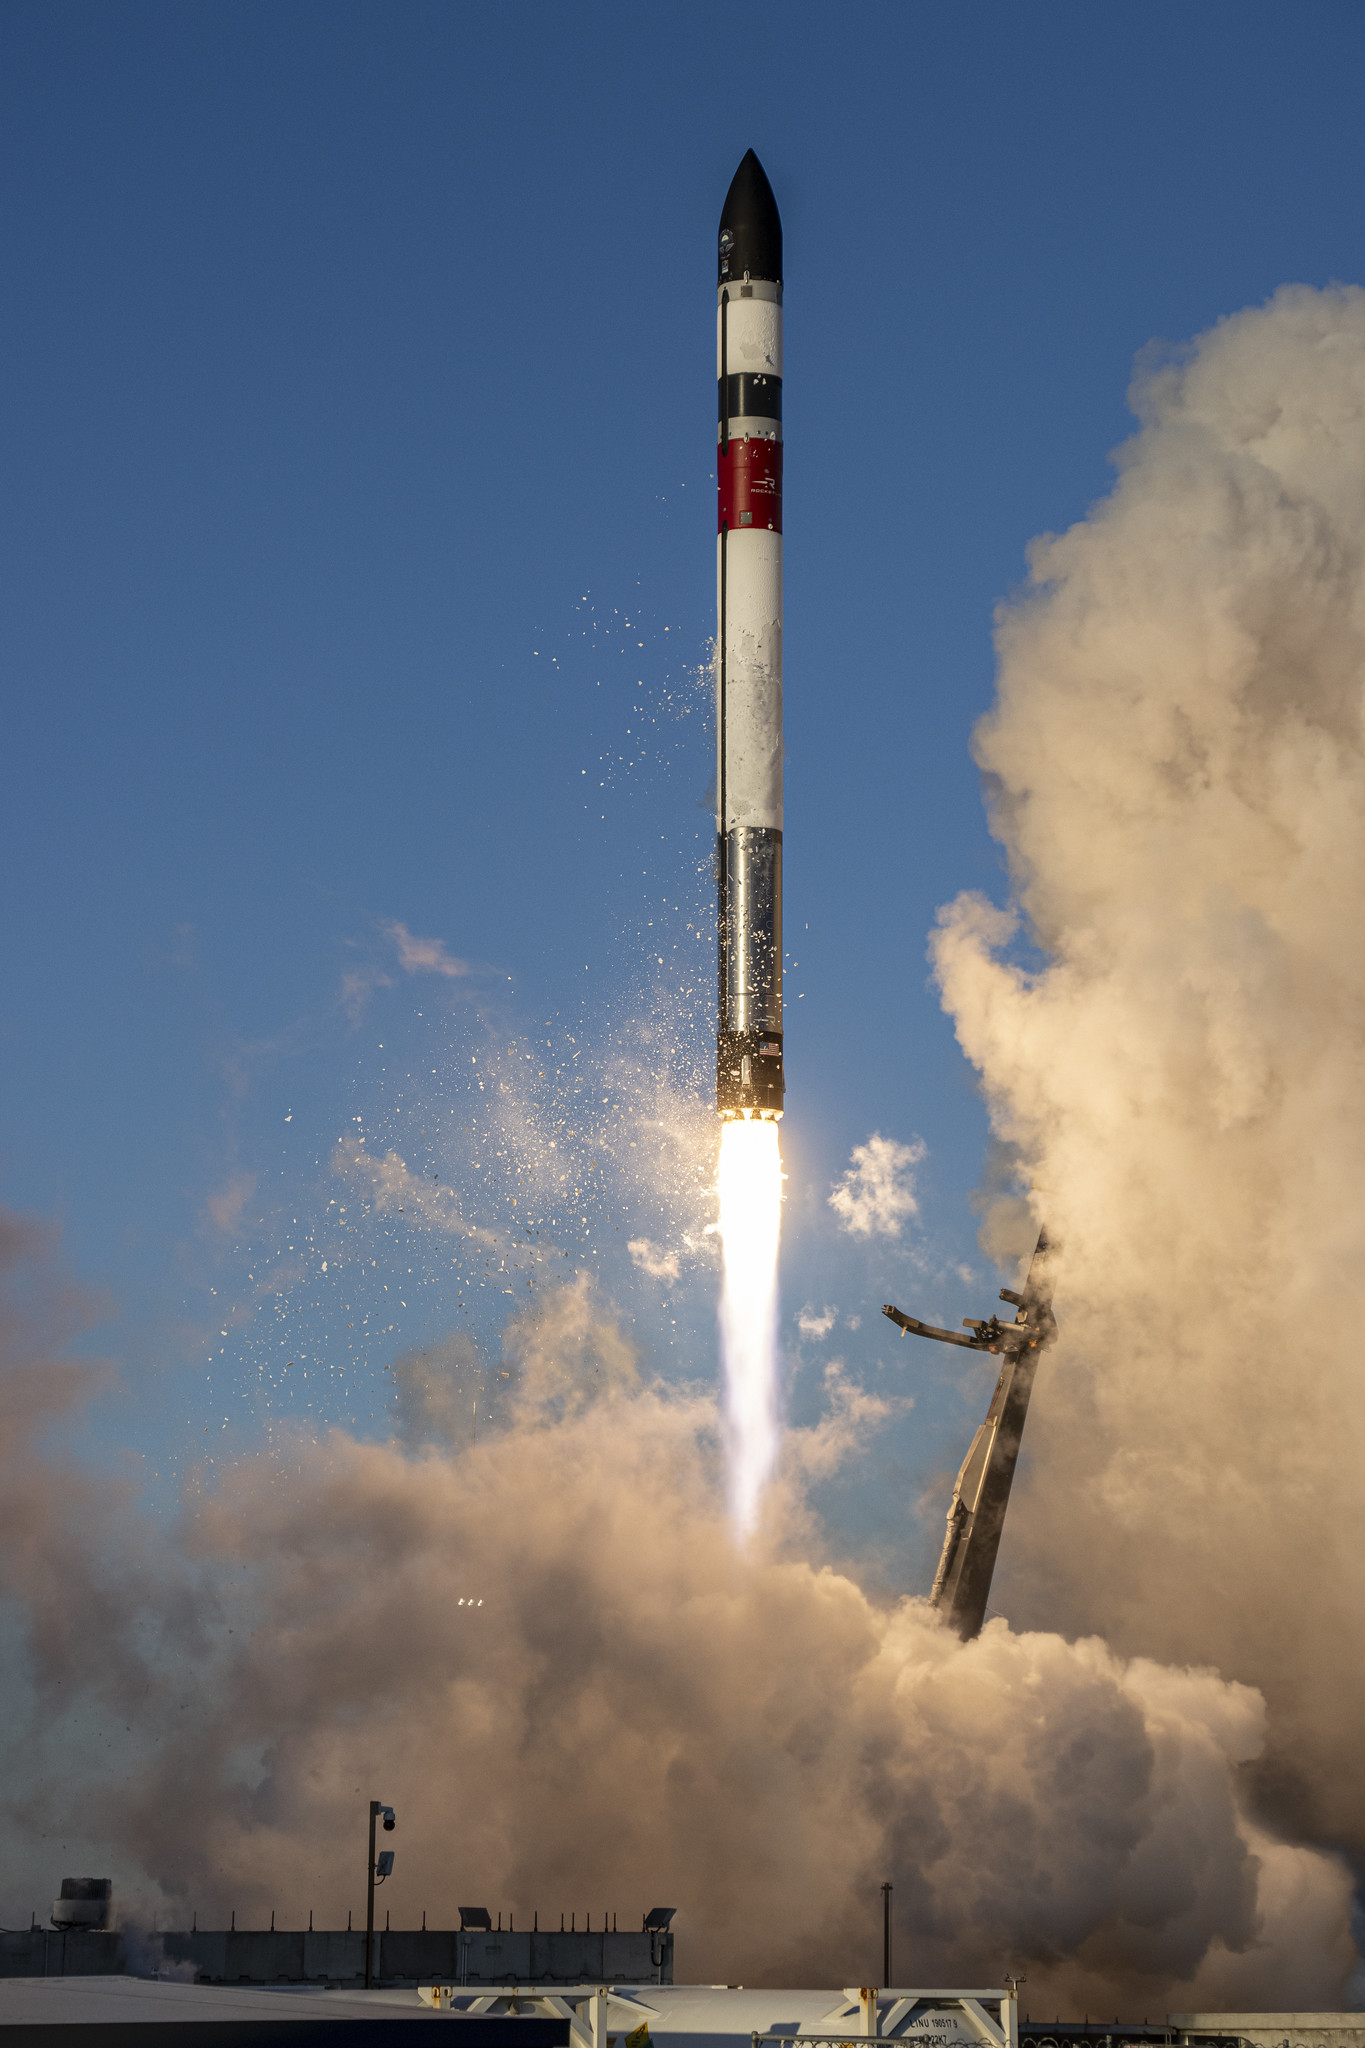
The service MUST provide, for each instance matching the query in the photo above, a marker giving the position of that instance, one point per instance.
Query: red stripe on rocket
(750, 481)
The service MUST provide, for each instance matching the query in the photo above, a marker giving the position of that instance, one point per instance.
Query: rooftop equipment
(85, 1902)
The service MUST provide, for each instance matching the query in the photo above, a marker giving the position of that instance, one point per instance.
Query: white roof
(67, 2000)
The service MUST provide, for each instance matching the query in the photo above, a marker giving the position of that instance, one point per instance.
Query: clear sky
(359, 531)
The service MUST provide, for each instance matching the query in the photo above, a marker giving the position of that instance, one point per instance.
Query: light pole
(886, 1936)
(375, 1873)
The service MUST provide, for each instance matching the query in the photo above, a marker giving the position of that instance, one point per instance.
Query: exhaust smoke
(1176, 766)
(550, 1652)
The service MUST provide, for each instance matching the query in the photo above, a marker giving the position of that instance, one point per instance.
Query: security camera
(389, 1822)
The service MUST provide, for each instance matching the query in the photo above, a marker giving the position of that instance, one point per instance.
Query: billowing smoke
(1177, 767)
(547, 1652)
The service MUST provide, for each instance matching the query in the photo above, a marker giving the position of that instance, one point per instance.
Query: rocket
(749, 1079)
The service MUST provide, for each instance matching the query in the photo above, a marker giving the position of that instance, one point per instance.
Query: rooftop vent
(84, 1902)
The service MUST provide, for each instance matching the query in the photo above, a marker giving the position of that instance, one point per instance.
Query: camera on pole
(376, 1870)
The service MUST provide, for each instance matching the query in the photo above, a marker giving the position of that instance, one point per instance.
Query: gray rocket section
(981, 1493)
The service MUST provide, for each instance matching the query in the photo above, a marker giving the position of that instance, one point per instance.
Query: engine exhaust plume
(750, 1227)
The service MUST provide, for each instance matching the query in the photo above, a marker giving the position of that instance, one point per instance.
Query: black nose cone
(750, 227)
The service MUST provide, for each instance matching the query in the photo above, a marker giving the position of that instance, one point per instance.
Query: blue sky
(359, 555)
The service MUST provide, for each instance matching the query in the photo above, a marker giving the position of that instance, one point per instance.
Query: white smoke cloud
(358, 986)
(424, 956)
(1176, 765)
(388, 1183)
(653, 1259)
(439, 1391)
(816, 1323)
(876, 1193)
(226, 1204)
(634, 1711)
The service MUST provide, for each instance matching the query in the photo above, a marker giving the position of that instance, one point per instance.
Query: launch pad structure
(602, 2015)
(981, 1492)
(738, 2016)
(102, 2011)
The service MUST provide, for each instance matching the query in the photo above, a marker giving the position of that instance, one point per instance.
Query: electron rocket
(749, 1080)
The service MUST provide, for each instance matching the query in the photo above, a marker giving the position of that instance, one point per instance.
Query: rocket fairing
(749, 1079)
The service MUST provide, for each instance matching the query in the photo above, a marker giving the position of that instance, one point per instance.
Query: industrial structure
(981, 1492)
(235, 1980)
(601, 2013)
(471, 1955)
(83, 1902)
(749, 1071)
(734, 2016)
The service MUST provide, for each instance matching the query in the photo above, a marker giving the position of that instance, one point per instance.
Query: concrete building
(466, 1956)
(1273, 2029)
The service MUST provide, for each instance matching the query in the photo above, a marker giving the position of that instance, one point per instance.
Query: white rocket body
(749, 1066)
